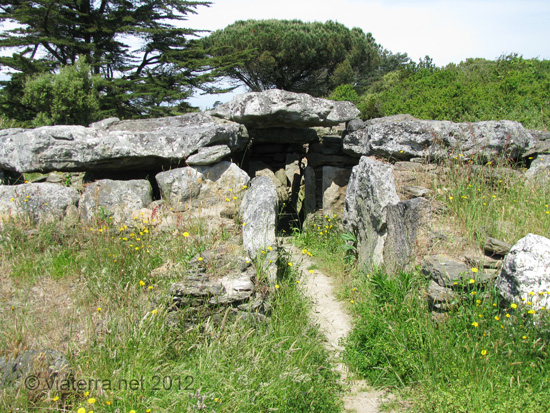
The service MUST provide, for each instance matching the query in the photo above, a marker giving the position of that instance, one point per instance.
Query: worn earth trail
(335, 323)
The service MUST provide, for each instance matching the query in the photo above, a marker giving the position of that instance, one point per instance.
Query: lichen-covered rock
(539, 169)
(259, 209)
(209, 155)
(39, 202)
(445, 271)
(280, 108)
(114, 199)
(404, 137)
(179, 186)
(526, 272)
(407, 235)
(116, 145)
(210, 185)
(371, 189)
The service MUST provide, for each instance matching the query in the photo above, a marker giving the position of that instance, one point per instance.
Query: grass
(485, 355)
(90, 292)
(487, 201)
(94, 294)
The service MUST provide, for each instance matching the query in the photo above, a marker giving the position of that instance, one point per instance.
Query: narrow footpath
(335, 323)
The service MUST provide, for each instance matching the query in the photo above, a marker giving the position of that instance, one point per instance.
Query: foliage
(345, 92)
(151, 79)
(483, 357)
(475, 90)
(100, 303)
(293, 55)
(68, 98)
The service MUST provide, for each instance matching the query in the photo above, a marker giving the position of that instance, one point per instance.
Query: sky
(449, 31)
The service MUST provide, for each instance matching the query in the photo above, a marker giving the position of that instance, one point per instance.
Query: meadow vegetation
(487, 355)
(90, 293)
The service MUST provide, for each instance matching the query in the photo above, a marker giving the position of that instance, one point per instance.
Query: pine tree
(293, 55)
(149, 66)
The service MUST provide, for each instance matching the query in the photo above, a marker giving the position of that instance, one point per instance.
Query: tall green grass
(483, 355)
(88, 292)
(491, 200)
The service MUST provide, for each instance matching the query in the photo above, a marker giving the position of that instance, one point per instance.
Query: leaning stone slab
(259, 209)
(279, 108)
(114, 199)
(116, 145)
(403, 138)
(371, 189)
(40, 202)
(526, 272)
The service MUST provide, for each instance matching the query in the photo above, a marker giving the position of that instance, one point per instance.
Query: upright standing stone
(259, 214)
(371, 189)
(408, 223)
(526, 272)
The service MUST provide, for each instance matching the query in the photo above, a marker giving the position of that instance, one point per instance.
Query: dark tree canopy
(149, 79)
(293, 55)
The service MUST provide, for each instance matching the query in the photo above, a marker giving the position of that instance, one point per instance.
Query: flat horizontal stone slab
(280, 108)
(114, 145)
(404, 137)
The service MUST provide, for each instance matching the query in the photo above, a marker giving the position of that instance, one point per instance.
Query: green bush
(67, 98)
(345, 92)
(475, 90)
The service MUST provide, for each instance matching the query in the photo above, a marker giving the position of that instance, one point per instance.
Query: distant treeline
(475, 90)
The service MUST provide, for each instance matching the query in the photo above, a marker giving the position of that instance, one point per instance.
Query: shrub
(67, 98)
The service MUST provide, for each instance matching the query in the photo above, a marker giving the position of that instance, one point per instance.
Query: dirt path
(335, 323)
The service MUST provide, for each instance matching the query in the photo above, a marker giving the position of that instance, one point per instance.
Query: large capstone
(280, 108)
(120, 145)
(403, 137)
